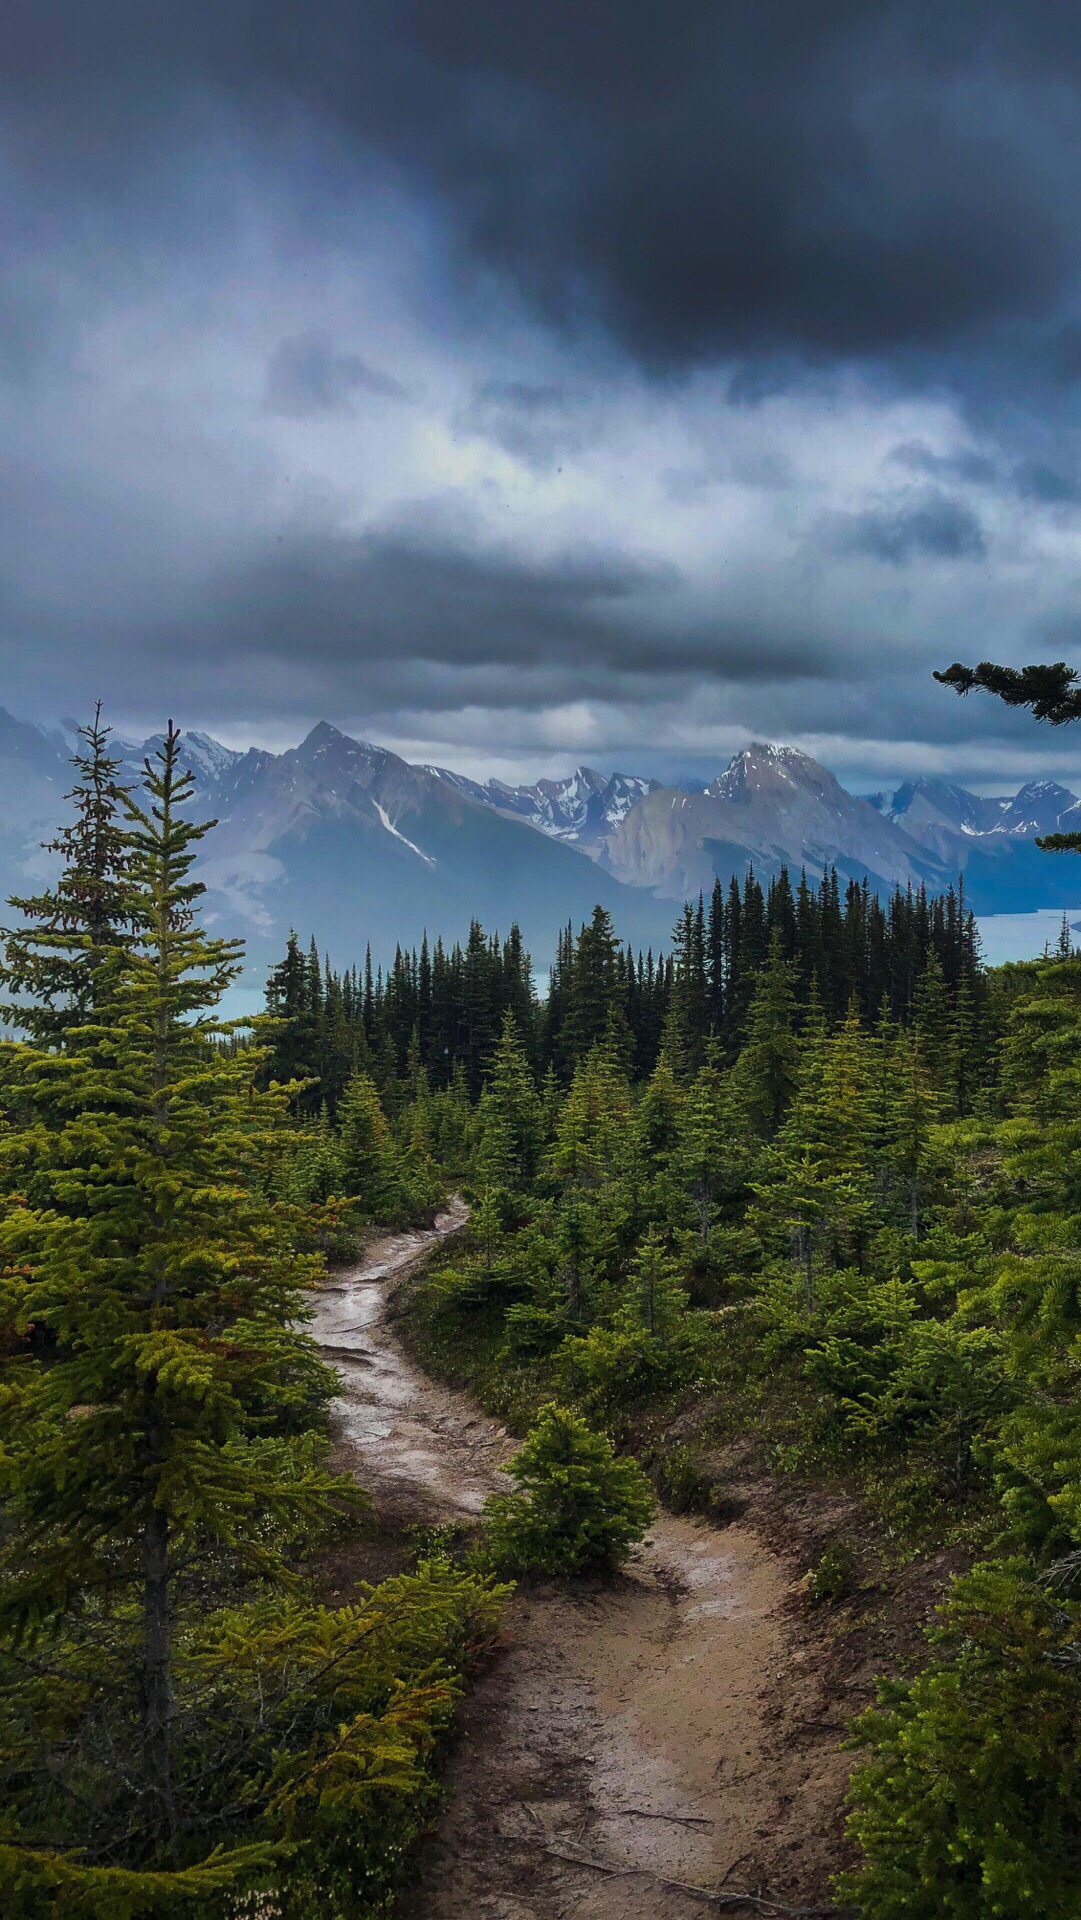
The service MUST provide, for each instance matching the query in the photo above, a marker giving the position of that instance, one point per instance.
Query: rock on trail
(628, 1735)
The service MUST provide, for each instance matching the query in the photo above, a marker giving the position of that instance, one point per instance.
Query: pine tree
(52, 962)
(767, 1072)
(655, 1297)
(591, 993)
(912, 1110)
(702, 1161)
(166, 1283)
(367, 1157)
(511, 1117)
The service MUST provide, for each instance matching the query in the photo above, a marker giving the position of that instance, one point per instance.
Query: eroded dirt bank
(667, 1727)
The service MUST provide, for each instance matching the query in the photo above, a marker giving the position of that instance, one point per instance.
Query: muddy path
(667, 1727)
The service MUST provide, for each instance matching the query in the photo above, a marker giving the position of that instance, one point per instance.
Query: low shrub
(577, 1507)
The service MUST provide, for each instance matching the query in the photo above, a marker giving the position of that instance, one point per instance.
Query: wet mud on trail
(667, 1727)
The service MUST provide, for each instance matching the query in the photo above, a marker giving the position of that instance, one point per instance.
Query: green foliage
(55, 961)
(832, 1576)
(578, 1508)
(181, 1730)
(311, 1732)
(969, 1807)
(683, 1482)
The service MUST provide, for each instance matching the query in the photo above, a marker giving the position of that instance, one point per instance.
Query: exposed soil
(676, 1724)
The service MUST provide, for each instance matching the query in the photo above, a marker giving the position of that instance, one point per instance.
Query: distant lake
(1022, 936)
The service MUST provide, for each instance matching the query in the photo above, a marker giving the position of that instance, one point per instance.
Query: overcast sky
(528, 381)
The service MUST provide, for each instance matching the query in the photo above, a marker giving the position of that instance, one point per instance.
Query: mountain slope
(772, 806)
(581, 808)
(991, 841)
(350, 840)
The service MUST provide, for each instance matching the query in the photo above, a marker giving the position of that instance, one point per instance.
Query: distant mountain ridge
(346, 839)
(582, 808)
(771, 807)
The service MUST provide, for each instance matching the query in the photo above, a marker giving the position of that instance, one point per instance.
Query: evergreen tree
(510, 1115)
(52, 962)
(366, 1155)
(165, 1281)
(655, 1299)
(591, 992)
(912, 1110)
(768, 1069)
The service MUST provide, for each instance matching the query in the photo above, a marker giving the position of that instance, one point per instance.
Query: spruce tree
(511, 1116)
(655, 1298)
(767, 1073)
(166, 1284)
(913, 1107)
(368, 1160)
(51, 963)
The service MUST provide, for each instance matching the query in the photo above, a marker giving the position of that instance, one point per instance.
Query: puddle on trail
(418, 1447)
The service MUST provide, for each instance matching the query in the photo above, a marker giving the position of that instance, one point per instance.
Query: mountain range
(347, 840)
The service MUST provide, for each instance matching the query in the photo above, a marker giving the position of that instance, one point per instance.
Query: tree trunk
(157, 1677)
(808, 1265)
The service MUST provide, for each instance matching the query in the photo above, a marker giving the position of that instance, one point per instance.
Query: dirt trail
(666, 1726)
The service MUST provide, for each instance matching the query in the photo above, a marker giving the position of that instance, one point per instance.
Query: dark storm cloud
(277, 271)
(936, 528)
(580, 624)
(855, 177)
(306, 375)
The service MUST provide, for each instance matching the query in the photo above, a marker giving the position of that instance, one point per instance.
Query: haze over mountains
(347, 840)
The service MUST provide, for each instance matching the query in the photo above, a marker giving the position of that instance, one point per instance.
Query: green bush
(833, 1575)
(610, 1370)
(970, 1805)
(683, 1483)
(577, 1509)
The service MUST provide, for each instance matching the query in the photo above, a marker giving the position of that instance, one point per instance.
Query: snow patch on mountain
(391, 828)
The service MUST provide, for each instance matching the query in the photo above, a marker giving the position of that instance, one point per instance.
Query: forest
(809, 1179)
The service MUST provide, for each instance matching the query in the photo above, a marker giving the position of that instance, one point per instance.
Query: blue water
(1023, 936)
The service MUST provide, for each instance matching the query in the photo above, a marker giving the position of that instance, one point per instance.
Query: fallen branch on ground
(729, 1897)
(677, 1819)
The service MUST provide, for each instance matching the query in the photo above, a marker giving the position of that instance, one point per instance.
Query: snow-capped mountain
(338, 837)
(582, 808)
(991, 839)
(346, 839)
(936, 811)
(772, 806)
(207, 758)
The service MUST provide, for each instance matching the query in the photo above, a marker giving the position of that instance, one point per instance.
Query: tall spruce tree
(141, 1247)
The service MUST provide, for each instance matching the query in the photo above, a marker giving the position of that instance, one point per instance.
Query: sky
(517, 385)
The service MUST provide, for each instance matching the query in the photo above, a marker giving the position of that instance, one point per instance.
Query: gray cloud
(936, 528)
(582, 624)
(691, 308)
(844, 179)
(1047, 485)
(975, 469)
(306, 375)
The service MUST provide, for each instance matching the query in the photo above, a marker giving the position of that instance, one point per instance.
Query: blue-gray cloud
(936, 528)
(307, 375)
(690, 258)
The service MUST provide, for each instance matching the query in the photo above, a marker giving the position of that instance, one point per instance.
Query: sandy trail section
(628, 1735)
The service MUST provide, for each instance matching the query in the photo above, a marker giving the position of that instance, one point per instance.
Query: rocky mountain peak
(765, 765)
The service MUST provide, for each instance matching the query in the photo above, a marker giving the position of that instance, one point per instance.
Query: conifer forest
(803, 1190)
